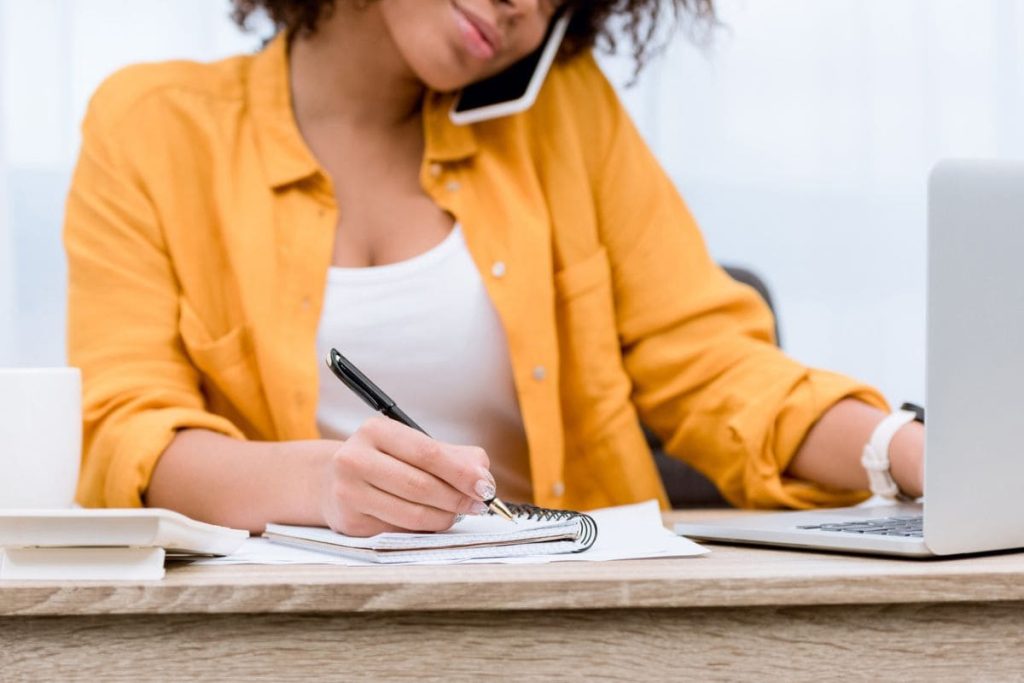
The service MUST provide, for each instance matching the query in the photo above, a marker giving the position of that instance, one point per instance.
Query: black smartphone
(516, 88)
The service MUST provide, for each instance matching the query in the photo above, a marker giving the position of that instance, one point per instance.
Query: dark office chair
(686, 487)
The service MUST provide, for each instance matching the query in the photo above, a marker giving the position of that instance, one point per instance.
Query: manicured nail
(484, 489)
(478, 508)
(458, 518)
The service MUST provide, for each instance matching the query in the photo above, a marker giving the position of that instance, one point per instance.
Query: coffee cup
(40, 436)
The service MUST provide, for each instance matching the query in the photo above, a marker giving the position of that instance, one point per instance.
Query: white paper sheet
(625, 532)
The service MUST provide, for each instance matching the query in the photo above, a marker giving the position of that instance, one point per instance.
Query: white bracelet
(876, 456)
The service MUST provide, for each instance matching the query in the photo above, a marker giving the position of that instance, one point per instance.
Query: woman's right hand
(389, 477)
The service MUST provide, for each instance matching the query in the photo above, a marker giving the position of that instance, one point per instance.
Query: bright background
(802, 140)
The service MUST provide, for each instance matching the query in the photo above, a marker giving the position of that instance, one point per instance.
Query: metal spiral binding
(588, 527)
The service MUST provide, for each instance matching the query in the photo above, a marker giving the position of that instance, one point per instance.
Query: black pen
(362, 387)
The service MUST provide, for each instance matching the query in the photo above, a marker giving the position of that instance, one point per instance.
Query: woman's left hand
(906, 458)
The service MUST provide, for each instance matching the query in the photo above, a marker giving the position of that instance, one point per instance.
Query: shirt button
(454, 186)
(436, 170)
(498, 269)
(539, 373)
(300, 399)
(558, 489)
(307, 303)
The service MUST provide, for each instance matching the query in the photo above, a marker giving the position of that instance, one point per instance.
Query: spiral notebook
(537, 531)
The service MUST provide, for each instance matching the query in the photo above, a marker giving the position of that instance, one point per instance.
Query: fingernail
(484, 489)
(458, 518)
(479, 508)
(486, 475)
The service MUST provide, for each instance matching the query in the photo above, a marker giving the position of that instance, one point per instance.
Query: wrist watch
(917, 410)
(875, 457)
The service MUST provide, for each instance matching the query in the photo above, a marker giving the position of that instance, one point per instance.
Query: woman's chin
(451, 73)
(446, 83)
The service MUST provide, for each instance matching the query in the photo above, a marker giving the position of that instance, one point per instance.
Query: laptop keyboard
(908, 527)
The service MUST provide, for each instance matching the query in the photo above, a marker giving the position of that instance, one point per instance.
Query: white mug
(40, 436)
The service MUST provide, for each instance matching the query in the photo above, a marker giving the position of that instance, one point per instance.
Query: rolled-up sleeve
(707, 376)
(123, 310)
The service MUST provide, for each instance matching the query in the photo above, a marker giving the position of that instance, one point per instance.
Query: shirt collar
(445, 140)
(286, 157)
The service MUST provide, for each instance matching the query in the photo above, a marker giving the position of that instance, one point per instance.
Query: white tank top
(425, 331)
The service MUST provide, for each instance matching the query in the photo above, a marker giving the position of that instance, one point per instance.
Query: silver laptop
(974, 468)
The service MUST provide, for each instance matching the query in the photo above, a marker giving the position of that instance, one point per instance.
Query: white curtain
(802, 140)
(53, 54)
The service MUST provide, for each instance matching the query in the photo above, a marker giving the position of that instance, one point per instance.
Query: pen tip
(502, 510)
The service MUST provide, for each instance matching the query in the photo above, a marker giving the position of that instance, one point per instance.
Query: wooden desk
(736, 614)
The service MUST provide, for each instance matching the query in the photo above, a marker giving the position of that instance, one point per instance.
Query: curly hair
(592, 23)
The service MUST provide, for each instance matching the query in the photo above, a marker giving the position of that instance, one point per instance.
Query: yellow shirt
(199, 233)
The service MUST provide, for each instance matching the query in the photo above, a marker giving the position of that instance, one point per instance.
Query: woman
(529, 289)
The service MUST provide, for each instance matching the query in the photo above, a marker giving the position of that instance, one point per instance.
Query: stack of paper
(626, 532)
(77, 544)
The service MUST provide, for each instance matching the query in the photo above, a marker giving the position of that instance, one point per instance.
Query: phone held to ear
(515, 89)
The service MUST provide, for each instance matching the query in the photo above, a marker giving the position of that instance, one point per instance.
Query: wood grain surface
(728, 577)
(738, 614)
(919, 642)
